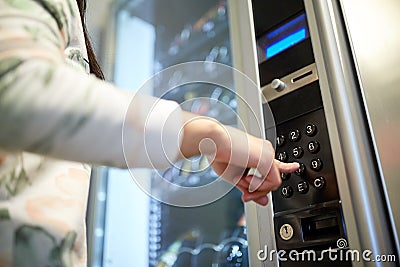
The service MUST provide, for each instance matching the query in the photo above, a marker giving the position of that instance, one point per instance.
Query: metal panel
(375, 38)
(359, 185)
(260, 230)
(291, 82)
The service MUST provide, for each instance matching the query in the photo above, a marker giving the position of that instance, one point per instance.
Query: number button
(300, 170)
(285, 176)
(316, 164)
(311, 129)
(302, 187)
(280, 140)
(282, 156)
(294, 135)
(297, 152)
(319, 183)
(287, 191)
(313, 147)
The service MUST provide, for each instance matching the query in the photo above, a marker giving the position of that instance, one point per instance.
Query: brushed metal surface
(375, 39)
(292, 82)
(360, 188)
(260, 229)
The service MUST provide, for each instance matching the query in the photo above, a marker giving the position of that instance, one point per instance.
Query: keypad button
(311, 129)
(319, 183)
(287, 191)
(285, 176)
(280, 140)
(316, 164)
(313, 147)
(294, 135)
(297, 152)
(302, 187)
(300, 170)
(282, 156)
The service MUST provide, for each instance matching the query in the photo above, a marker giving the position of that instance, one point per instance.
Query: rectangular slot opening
(308, 73)
(325, 226)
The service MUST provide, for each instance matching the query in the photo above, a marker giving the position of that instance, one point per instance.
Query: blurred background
(135, 39)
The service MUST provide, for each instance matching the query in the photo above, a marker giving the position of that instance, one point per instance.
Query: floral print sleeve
(50, 106)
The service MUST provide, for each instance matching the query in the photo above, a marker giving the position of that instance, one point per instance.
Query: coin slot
(298, 78)
(319, 227)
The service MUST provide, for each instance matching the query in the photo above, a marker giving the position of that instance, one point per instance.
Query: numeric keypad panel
(305, 140)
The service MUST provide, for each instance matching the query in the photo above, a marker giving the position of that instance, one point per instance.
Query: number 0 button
(316, 164)
(294, 135)
(287, 191)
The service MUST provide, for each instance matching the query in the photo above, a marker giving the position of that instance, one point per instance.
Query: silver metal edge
(354, 161)
(291, 85)
(260, 229)
(395, 231)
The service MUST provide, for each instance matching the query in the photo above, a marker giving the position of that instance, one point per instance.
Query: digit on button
(285, 176)
(282, 156)
(316, 164)
(280, 140)
(300, 170)
(311, 129)
(294, 135)
(297, 152)
(287, 191)
(313, 147)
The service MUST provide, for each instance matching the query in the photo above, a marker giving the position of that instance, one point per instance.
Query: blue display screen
(286, 42)
(282, 38)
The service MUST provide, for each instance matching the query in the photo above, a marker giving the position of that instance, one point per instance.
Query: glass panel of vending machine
(152, 36)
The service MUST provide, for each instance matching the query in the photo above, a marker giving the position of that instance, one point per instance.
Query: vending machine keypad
(308, 144)
(306, 207)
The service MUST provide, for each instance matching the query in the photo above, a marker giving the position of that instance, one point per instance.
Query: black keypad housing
(307, 143)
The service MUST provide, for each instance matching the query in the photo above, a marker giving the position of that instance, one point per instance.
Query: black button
(285, 176)
(294, 135)
(287, 191)
(302, 187)
(297, 152)
(311, 129)
(316, 164)
(280, 140)
(300, 170)
(319, 183)
(282, 156)
(313, 147)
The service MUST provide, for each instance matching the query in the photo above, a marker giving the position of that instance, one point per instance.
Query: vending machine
(326, 93)
(328, 71)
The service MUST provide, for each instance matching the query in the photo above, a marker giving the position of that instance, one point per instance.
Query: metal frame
(260, 232)
(352, 146)
(355, 161)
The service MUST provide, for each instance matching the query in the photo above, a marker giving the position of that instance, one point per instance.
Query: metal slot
(318, 227)
(290, 83)
(302, 76)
